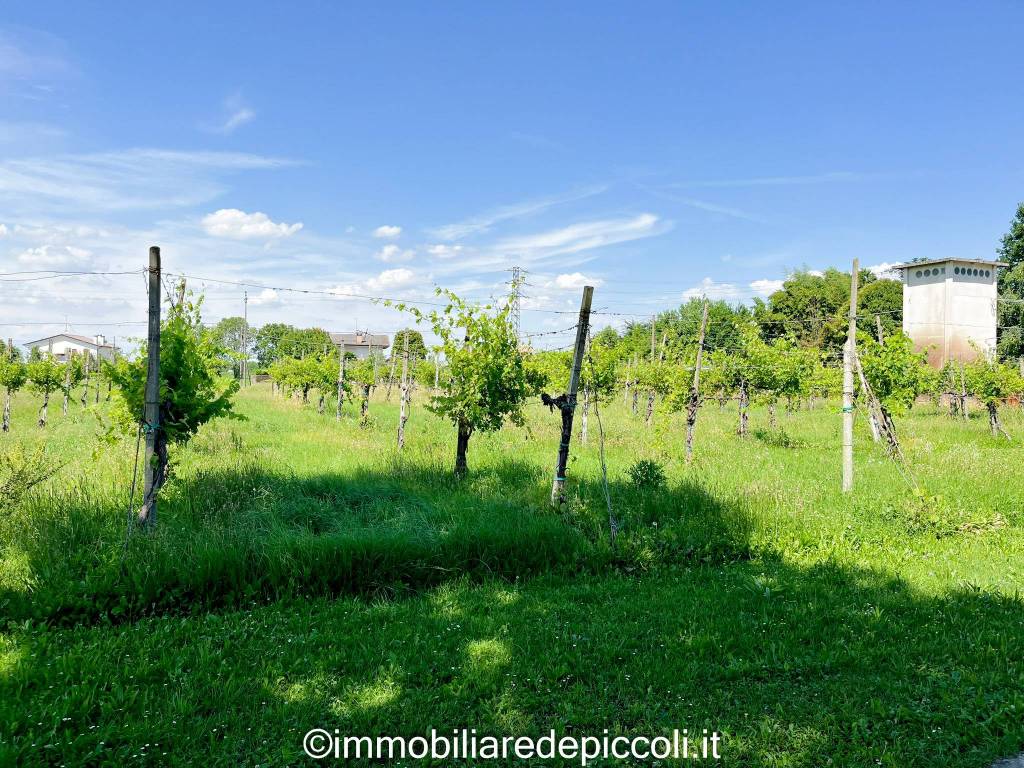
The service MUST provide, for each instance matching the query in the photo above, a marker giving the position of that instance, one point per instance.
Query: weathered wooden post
(568, 406)
(848, 353)
(341, 380)
(694, 403)
(403, 400)
(151, 418)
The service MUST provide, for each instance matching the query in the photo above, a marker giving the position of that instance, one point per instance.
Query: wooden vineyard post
(878, 329)
(437, 373)
(85, 372)
(848, 360)
(873, 417)
(391, 378)
(151, 418)
(694, 403)
(68, 357)
(9, 351)
(341, 381)
(403, 402)
(243, 363)
(568, 406)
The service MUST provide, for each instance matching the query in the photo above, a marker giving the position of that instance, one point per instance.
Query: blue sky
(657, 150)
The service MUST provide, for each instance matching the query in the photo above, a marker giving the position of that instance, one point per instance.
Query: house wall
(61, 348)
(948, 313)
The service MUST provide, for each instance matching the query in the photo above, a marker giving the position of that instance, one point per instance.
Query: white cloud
(387, 231)
(388, 280)
(576, 281)
(885, 269)
(239, 225)
(392, 278)
(129, 179)
(265, 297)
(712, 290)
(4, 231)
(55, 257)
(483, 222)
(582, 237)
(766, 287)
(444, 251)
(779, 181)
(236, 113)
(392, 254)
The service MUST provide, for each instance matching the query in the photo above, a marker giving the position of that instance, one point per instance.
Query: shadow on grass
(231, 538)
(797, 666)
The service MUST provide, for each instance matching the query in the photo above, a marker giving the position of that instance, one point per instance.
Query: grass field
(305, 574)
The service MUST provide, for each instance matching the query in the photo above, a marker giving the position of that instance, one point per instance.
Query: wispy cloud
(703, 205)
(236, 112)
(483, 222)
(583, 236)
(128, 179)
(778, 181)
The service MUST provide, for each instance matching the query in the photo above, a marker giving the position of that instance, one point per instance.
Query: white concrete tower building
(949, 307)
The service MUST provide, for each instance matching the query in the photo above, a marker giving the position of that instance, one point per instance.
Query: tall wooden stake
(569, 407)
(244, 363)
(694, 404)
(151, 424)
(403, 403)
(848, 352)
(878, 328)
(341, 381)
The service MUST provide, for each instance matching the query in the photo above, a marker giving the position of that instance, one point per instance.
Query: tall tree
(1011, 289)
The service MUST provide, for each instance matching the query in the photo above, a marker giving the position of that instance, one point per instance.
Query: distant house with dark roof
(361, 343)
(63, 345)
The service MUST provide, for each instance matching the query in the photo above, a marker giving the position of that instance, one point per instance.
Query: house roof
(86, 340)
(359, 339)
(928, 262)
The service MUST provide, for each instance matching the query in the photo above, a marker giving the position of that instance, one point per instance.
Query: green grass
(305, 574)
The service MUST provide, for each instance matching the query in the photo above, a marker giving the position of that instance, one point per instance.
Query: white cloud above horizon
(239, 225)
(393, 254)
(576, 281)
(387, 231)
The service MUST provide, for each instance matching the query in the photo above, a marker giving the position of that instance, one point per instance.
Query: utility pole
(848, 358)
(569, 405)
(151, 423)
(694, 403)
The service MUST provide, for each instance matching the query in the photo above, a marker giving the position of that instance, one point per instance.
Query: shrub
(647, 475)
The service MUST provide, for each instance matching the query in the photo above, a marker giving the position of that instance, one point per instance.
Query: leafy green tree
(267, 342)
(884, 299)
(12, 378)
(191, 389)
(992, 382)
(1011, 289)
(45, 376)
(229, 334)
(417, 347)
(489, 382)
